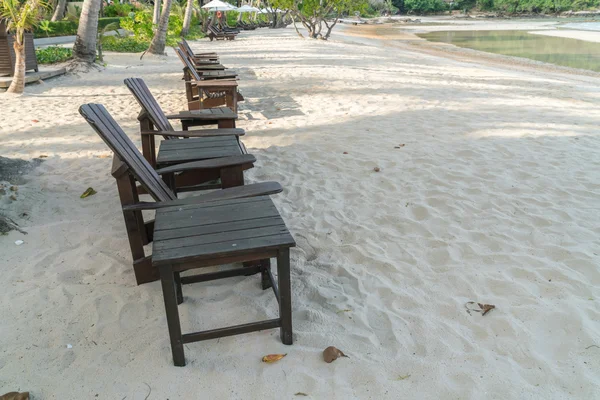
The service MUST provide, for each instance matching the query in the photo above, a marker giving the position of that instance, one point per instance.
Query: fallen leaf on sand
(43, 156)
(345, 152)
(482, 308)
(343, 311)
(88, 192)
(486, 308)
(15, 396)
(271, 358)
(332, 353)
(103, 156)
(403, 377)
(399, 146)
(300, 394)
(35, 120)
(376, 169)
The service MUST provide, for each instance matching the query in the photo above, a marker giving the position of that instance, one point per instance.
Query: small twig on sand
(11, 224)
(148, 395)
(593, 345)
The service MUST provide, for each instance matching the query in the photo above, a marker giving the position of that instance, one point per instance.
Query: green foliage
(425, 6)
(68, 28)
(232, 17)
(140, 25)
(46, 27)
(126, 44)
(22, 16)
(527, 6)
(118, 10)
(53, 54)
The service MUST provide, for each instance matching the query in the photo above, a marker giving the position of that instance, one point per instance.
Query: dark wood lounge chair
(216, 33)
(226, 226)
(200, 94)
(186, 48)
(191, 73)
(203, 144)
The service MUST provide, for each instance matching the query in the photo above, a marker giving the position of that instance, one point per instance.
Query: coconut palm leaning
(21, 16)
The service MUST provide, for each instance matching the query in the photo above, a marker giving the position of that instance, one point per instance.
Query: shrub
(67, 28)
(118, 10)
(425, 6)
(53, 54)
(58, 28)
(124, 44)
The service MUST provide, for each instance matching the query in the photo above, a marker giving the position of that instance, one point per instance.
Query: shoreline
(405, 36)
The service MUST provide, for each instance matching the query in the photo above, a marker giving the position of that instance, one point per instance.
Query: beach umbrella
(246, 8)
(218, 5)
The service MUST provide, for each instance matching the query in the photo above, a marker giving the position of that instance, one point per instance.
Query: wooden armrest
(221, 162)
(239, 192)
(199, 133)
(202, 115)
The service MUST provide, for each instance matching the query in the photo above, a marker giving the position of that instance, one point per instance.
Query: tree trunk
(18, 82)
(296, 27)
(84, 49)
(329, 28)
(159, 41)
(59, 11)
(187, 19)
(156, 14)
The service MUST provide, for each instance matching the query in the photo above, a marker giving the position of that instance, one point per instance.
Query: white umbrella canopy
(246, 8)
(218, 5)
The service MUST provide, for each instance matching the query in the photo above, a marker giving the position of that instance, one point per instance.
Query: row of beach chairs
(233, 223)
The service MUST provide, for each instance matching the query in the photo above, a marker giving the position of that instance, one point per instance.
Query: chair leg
(264, 274)
(177, 279)
(167, 278)
(285, 295)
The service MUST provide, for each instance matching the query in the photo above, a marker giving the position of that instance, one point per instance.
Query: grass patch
(127, 44)
(53, 54)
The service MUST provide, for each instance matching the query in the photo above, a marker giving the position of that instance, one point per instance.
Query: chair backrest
(185, 46)
(149, 105)
(215, 29)
(187, 63)
(115, 138)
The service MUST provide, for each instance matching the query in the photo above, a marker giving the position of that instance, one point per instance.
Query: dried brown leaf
(331, 354)
(376, 169)
(271, 358)
(486, 308)
(300, 394)
(15, 396)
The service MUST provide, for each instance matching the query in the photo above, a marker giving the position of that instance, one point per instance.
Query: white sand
(495, 198)
(588, 36)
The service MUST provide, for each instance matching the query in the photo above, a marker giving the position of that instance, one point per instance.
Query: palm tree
(59, 11)
(84, 49)
(156, 14)
(21, 16)
(159, 41)
(187, 19)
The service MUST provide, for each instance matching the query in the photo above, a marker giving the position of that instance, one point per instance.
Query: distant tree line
(500, 6)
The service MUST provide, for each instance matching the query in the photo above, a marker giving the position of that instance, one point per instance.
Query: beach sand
(488, 191)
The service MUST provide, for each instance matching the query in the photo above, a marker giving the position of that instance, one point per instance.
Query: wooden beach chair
(200, 95)
(226, 226)
(216, 33)
(188, 49)
(191, 73)
(204, 144)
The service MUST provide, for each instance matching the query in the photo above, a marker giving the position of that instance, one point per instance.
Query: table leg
(167, 278)
(285, 295)
(177, 279)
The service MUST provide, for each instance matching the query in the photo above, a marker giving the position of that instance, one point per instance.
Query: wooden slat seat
(180, 151)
